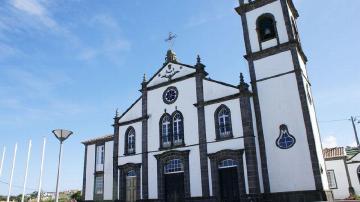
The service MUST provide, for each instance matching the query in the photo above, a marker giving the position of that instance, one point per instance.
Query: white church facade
(191, 138)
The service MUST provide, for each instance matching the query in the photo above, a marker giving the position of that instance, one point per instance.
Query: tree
(76, 196)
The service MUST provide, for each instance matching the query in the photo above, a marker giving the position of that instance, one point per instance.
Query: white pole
(58, 174)
(12, 173)
(26, 171)
(2, 160)
(41, 170)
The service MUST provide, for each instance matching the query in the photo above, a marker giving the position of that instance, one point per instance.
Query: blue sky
(70, 64)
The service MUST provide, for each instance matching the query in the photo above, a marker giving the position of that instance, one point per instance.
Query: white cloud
(329, 142)
(35, 8)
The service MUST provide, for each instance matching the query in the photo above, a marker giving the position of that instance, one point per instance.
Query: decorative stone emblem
(285, 139)
(169, 72)
(170, 95)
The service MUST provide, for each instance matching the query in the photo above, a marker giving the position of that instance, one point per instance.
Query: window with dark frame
(172, 130)
(223, 122)
(331, 179)
(266, 27)
(100, 154)
(99, 184)
(174, 166)
(130, 141)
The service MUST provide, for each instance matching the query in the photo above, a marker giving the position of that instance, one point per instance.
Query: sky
(71, 64)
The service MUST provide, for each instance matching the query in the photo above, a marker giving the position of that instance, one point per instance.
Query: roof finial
(117, 113)
(198, 59)
(243, 86)
(144, 78)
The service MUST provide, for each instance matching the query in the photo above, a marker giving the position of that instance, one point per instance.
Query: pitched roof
(104, 138)
(333, 152)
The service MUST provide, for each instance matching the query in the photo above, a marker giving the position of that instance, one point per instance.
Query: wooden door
(174, 187)
(229, 186)
(130, 189)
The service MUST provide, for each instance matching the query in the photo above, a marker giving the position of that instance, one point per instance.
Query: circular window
(170, 95)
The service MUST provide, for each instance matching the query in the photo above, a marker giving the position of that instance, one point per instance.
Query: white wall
(280, 104)
(276, 10)
(90, 166)
(108, 170)
(338, 166)
(213, 90)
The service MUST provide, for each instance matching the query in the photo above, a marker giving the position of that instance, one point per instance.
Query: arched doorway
(129, 182)
(131, 186)
(227, 175)
(228, 181)
(174, 181)
(173, 176)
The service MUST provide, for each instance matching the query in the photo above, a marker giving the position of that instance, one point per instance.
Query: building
(191, 138)
(343, 171)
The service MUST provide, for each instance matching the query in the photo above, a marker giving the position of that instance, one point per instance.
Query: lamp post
(61, 135)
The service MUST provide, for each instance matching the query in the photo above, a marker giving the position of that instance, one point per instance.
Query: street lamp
(61, 135)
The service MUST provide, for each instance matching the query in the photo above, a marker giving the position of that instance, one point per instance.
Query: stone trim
(223, 99)
(84, 175)
(99, 140)
(351, 188)
(276, 50)
(250, 145)
(144, 143)
(257, 110)
(200, 75)
(217, 125)
(215, 159)
(220, 82)
(115, 158)
(170, 82)
(162, 159)
(244, 8)
(274, 76)
(307, 121)
(133, 120)
(124, 169)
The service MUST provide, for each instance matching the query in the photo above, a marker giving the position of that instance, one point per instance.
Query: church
(191, 138)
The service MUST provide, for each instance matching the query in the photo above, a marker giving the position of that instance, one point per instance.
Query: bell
(267, 31)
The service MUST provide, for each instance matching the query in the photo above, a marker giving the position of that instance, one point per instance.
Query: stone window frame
(216, 158)
(171, 117)
(99, 196)
(162, 160)
(331, 172)
(217, 124)
(126, 149)
(266, 15)
(123, 170)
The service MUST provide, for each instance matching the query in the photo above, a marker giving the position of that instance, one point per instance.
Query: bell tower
(292, 165)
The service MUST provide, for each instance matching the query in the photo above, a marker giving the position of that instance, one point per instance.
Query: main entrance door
(174, 181)
(131, 186)
(228, 179)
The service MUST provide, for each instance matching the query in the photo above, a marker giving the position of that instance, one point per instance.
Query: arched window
(223, 122)
(266, 27)
(130, 141)
(131, 173)
(227, 163)
(173, 166)
(178, 128)
(165, 130)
